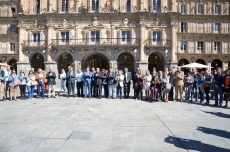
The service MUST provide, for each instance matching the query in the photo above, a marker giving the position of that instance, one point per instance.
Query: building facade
(114, 33)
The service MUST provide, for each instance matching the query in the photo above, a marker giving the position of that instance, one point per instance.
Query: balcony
(30, 44)
(93, 42)
(162, 44)
(205, 50)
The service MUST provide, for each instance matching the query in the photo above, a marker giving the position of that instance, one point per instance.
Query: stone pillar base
(173, 66)
(25, 66)
(142, 65)
(52, 65)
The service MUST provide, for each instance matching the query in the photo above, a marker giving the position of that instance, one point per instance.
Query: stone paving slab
(77, 124)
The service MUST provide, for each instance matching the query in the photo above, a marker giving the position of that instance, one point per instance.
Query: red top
(139, 82)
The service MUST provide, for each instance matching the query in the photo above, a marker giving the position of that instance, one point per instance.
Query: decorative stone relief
(35, 23)
(125, 22)
(64, 23)
(95, 21)
(107, 7)
(156, 22)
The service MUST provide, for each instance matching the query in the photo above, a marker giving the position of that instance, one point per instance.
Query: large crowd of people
(157, 86)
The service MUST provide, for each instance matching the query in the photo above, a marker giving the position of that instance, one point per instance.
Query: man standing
(98, 82)
(119, 83)
(51, 76)
(2, 83)
(195, 88)
(218, 87)
(110, 81)
(127, 82)
(71, 82)
(179, 83)
(93, 83)
(134, 77)
(87, 82)
(79, 78)
(40, 77)
(6, 88)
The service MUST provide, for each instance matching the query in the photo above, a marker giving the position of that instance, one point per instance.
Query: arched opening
(182, 62)
(1, 61)
(156, 60)
(96, 61)
(12, 64)
(65, 60)
(229, 65)
(201, 61)
(37, 61)
(125, 60)
(216, 63)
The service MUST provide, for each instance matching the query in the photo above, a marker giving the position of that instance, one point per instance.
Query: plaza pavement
(93, 125)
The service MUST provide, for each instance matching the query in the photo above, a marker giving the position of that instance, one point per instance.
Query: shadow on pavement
(190, 144)
(220, 133)
(219, 114)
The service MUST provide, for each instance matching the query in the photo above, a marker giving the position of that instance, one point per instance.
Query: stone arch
(216, 63)
(59, 53)
(13, 64)
(159, 56)
(160, 53)
(183, 61)
(122, 52)
(37, 60)
(32, 53)
(65, 59)
(87, 54)
(126, 60)
(201, 61)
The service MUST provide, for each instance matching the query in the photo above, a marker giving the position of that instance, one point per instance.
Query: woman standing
(63, 79)
(119, 84)
(139, 81)
(154, 88)
(22, 84)
(171, 80)
(227, 87)
(165, 81)
(30, 87)
(13, 86)
(146, 85)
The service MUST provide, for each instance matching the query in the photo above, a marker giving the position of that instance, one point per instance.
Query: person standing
(51, 76)
(71, 82)
(227, 87)
(13, 87)
(179, 83)
(63, 79)
(165, 81)
(119, 83)
(87, 83)
(104, 82)
(127, 82)
(110, 80)
(218, 90)
(189, 81)
(30, 87)
(207, 82)
(146, 84)
(93, 83)
(22, 85)
(195, 88)
(79, 85)
(67, 84)
(98, 82)
(154, 74)
(171, 80)
(2, 84)
(7, 87)
(134, 77)
(139, 82)
(40, 77)
(201, 85)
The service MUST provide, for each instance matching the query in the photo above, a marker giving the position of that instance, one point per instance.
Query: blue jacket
(87, 77)
(201, 80)
(111, 78)
(22, 79)
(11, 81)
(219, 80)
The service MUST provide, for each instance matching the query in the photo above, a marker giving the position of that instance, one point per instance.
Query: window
(12, 47)
(183, 27)
(200, 45)
(217, 28)
(38, 7)
(183, 45)
(13, 10)
(128, 6)
(156, 36)
(95, 36)
(217, 9)
(64, 6)
(95, 5)
(217, 46)
(183, 9)
(36, 37)
(13, 28)
(200, 9)
(65, 36)
(156, 5)
(126, 36)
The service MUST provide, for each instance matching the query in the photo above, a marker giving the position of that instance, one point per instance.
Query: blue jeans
(119, 91)
(111, 90)
(195, 89)
(62, 84)
(40, 90)
(218, 90)
(87, 88)
(30, 91)
(188, 92)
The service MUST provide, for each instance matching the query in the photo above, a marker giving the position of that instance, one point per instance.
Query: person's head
(207, 73)
(178, 69)
(154, 68)
(202, 73)
(147, 72)
(93, 69)
(106, 71)
(194, 70)
(32, 69)
(71, 69)
(165, 74)
(140, 72)
(156, 79)
(120, 72)
(40, 70)
(62, 71)
(125, 70)
(98, 69)
(170, 70)
(87, 68)
(78, 70)
(160, 72)
(13, 72)
(8, 68)
(110, 70)
(103, 70)
(227, 72)
(22, 72)
(188, 73)
(2, 68)
(166, 69)
(137, 70)
(50, 70)
(219, 70)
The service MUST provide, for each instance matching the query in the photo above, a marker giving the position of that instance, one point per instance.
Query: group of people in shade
(116, 83)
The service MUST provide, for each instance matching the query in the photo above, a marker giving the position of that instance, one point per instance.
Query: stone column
(141, 5)
(173, 57)
(173, 6)
(76, 6)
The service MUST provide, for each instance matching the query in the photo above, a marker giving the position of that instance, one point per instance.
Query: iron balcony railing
(203, 50)
(95, 41)
(161, 43)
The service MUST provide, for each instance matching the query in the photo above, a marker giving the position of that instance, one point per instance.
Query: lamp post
(166, 54)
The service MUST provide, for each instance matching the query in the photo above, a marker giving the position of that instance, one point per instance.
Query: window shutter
(8, 50)
(119, 37)
(30, 38)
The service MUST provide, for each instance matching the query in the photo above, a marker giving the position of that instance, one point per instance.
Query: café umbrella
(195, 65)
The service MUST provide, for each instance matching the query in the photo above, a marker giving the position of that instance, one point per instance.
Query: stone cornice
(205, 34)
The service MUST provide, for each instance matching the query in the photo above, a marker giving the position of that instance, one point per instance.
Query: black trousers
(98, 90)
(92, 89)
(207, 90)
(105, 86)
(139, 92)
(171, 94)
(71, 88)
(23, 90)
(126, 89)
(80, 89)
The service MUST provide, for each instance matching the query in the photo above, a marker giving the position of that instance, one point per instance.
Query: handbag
(33, 83)
(168, 86)
(16, 82)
